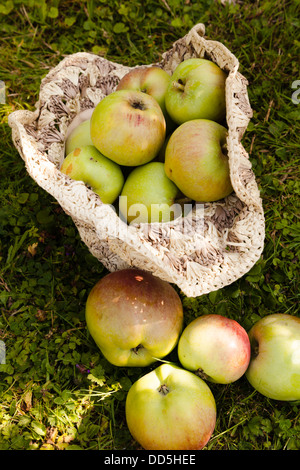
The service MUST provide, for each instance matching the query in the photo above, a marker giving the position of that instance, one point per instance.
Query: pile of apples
(156, 141)
(136, 319)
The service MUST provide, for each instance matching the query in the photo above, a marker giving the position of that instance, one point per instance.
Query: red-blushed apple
(104, 176)
(152, 80)
(196, 91)
(134, 317)
(216, 348)
(148, 195)
(170, 409)
(196, 160)
(128, 127)
(274, 369)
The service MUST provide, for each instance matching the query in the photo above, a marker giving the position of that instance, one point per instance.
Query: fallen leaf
(32, 249)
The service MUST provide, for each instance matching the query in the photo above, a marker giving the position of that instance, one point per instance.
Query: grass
(56, 389)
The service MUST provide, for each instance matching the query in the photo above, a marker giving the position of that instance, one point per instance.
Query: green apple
(128, 127)
(274, 368)
(196, 91)
(78, 137)
(134, 317)
(152, 80)
(148, 195)
(196, 160)
(170, 409)
(87, 164)
(215, 347)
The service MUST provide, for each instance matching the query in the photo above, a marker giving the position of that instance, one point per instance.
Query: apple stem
(178, 85)
(135, 350)
(163, 389)
(200, 373)
(138, 104)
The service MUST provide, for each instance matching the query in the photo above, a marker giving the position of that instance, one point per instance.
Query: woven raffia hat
(200, 252)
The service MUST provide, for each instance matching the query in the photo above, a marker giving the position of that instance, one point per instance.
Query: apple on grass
(134, 317)
(128, 127)
(196, 160)
(216, 348)
(87, 164)
(152, 80)
(170, 409)
(148, 195)
(196, 91)
(274, 368)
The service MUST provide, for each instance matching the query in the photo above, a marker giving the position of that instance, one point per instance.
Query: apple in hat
(79, 136)
(152, 80)
(128, 127)
(196, 160)
(104, 176)
(148, 195)
(196, 91)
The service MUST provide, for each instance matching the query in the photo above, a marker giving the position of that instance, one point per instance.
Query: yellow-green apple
(104, 176)
(274, 368)
(216, 348)
(196, 91)
(148, 195)
(128, 127)
(78, 137)
(134, 317)
(170, 409)
(152, 80)
(196, 160)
